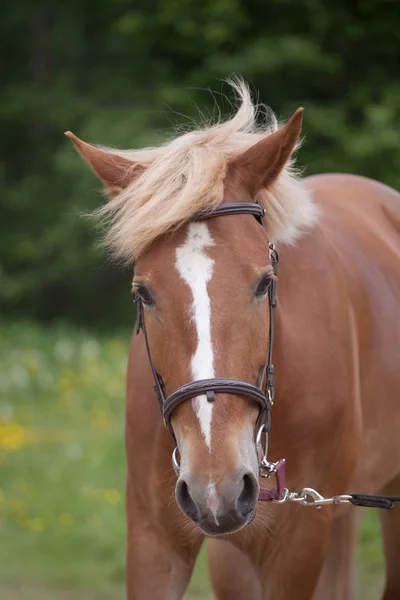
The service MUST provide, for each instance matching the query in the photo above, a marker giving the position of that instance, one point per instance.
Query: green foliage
(112, 72)
(62, 470)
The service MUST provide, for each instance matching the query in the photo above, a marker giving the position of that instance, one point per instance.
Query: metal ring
(259, 434)
(294, 497)
(175, 462)
(342, 499)
(262, 451)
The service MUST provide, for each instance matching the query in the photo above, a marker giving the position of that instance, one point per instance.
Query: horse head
(203, 287)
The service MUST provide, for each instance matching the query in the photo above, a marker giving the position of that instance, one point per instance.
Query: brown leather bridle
(262, 393)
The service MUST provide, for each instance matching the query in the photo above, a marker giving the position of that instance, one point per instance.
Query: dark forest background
(123, 73)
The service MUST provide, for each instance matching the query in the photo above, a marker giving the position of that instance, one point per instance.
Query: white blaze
(212, 501)
(196, 268)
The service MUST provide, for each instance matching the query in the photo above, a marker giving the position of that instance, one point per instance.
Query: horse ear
(261, 164)
(116, 172)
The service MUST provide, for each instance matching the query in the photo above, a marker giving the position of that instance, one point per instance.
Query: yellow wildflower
(37, 524)
(13, 437)
(19, 511)
(109, 496)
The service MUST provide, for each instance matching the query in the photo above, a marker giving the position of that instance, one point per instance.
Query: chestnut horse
(204, 286)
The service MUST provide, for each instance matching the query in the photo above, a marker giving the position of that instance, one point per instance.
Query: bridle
(263, 393)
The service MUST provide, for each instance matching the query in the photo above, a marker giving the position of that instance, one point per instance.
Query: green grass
(62, 469)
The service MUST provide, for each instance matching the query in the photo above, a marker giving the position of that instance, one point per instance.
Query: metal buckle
(267, 469)
(270, 396)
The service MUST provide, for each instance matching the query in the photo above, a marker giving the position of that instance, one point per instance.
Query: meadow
(62, 465)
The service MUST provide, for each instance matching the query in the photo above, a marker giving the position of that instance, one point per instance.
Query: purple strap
(275, 493)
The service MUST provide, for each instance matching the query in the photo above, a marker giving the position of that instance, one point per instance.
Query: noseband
(262, 393)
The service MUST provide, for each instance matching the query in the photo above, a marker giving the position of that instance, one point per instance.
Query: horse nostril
(249, 494)
(185, 500)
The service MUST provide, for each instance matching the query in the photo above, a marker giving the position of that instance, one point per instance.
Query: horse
(203, 218)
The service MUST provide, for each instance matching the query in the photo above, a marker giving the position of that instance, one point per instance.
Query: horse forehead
(209, 259)
(239, 241)
(220, 248)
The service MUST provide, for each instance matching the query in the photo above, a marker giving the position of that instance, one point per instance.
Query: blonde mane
(186, 175)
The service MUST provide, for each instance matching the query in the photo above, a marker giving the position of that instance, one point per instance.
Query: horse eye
(263, 285)
(144, 295)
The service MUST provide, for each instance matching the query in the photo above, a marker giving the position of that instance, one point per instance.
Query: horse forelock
(187, 175)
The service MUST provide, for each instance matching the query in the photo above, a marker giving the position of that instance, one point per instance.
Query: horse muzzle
(220, 509)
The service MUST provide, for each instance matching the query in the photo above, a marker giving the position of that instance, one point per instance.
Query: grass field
(62, 524)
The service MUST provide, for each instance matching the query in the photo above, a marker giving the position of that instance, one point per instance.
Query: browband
(233, 208)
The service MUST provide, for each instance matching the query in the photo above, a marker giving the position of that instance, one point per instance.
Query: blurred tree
(112, 72)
